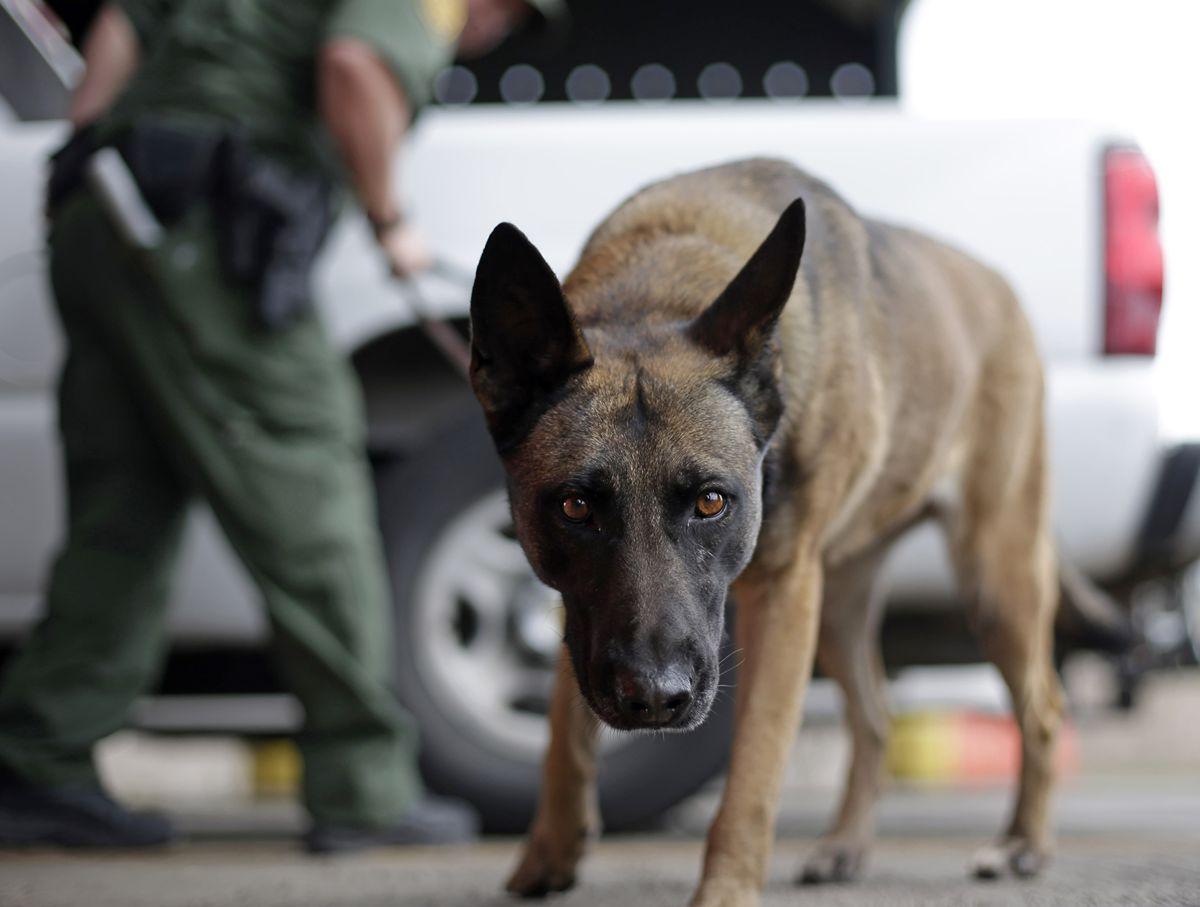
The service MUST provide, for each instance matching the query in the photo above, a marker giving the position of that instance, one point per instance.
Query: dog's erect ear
(743, 318)
(525, 342)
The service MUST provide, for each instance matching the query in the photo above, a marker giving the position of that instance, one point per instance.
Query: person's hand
(405, 249)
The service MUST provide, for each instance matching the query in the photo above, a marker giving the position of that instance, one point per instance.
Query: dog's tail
(1088, 616)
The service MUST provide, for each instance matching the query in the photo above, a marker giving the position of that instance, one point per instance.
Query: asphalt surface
(1128, 827)
(1121, 842)
(918, 871)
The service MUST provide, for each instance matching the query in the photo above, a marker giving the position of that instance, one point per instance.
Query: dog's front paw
(1017, 855)
(547, 865)
(834, 860)
(725, 893)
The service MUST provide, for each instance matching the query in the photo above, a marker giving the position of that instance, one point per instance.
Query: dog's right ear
(525, 342)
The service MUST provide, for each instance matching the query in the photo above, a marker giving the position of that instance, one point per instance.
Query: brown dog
(686, 414)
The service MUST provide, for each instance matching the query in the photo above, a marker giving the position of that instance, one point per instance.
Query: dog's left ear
(525, 342)
(742, 319)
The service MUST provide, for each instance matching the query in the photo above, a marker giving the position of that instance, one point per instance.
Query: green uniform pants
(169, 390)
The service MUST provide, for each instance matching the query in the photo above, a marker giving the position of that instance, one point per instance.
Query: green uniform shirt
(253, 62)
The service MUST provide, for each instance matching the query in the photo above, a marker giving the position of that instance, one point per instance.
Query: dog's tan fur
(912, 389)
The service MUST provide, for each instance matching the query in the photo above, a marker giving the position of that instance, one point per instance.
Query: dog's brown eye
(710, 504)
(576, 509)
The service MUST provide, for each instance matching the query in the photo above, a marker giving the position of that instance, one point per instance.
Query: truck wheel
(476, 640)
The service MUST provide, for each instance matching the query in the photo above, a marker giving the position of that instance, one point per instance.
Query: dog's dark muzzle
(640, 694)
(639, 674)
(654, 698)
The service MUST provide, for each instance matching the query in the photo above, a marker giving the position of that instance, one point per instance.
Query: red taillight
(1132, 254)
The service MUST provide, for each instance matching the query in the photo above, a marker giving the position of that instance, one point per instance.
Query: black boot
(430, 821)
(73, 816)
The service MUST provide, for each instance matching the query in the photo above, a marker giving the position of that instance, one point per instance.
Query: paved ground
(919, 871)
(1128, 824)
(1121, 843)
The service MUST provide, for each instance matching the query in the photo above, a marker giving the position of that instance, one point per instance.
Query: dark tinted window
(655, 49)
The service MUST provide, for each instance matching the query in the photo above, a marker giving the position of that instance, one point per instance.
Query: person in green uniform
(195, 366)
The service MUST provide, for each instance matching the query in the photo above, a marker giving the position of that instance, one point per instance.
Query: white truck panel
(1023, 196)
(30, 503)
(29, 341)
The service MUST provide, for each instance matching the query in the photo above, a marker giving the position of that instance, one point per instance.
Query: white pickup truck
(1066, 210)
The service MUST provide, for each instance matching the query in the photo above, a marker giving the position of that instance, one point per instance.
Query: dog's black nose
(653, 699)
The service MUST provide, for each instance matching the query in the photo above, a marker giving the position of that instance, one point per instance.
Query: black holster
(270, 221)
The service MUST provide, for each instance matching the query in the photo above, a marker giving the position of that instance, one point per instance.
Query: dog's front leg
(777, 629)
(568, 813)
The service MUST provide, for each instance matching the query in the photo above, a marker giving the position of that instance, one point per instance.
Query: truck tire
(476, 641)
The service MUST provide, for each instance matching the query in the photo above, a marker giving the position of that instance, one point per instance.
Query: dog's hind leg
(848, 652)
(568, 814)
(1004, 553)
